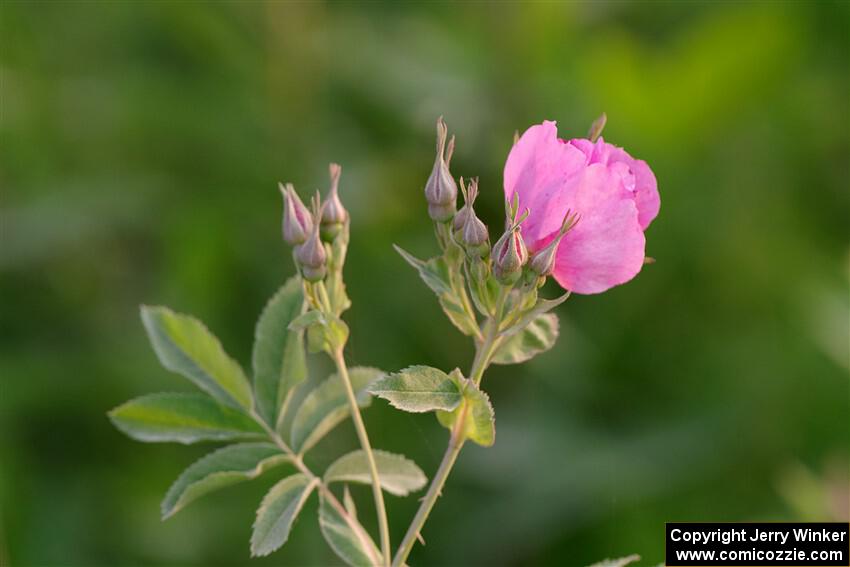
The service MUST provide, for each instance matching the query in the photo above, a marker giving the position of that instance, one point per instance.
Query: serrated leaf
(436, 275)
(479, 422)
(347, 538)
(398, 475)
(221, 468)
(327, 405)
(539, 336)
(278, 357)
(184, 418)
(184, 345)
(418, 389)
(278, 511)
(621, 562)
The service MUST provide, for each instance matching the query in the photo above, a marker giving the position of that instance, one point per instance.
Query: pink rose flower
(615, 195)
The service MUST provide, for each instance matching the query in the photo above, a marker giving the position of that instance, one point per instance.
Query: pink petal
(542, 170)
(606, 247)
(642, 180)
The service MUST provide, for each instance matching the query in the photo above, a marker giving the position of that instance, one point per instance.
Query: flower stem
(455, 444)
(483, 354)
(377, 491)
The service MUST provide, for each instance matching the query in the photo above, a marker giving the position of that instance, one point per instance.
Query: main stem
(377, 491)
(483, 354)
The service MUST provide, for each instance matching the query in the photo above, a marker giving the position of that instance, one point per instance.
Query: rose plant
(575, 211)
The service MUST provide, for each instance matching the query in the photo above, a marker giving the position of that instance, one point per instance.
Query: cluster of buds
(509, 259)
(307, 232)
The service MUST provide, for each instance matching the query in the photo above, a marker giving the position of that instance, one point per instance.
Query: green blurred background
(141, 147)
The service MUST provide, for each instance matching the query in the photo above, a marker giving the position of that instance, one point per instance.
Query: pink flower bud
(440, 189)
(297, 222)
(311, 256)
(473, 235)
(509, 256)
(542, 262)
(334, 214)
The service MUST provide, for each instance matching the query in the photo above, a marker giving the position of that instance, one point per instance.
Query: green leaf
(184, 345)
(418, 389)
(479, 422)
(278, 358)
(398, 475)
(437, 276)
(278, 511)
(434, 272)
(539, 336)
(349, 540)
(184, 418)
(221, 468)
(621, 562)
(327, 405)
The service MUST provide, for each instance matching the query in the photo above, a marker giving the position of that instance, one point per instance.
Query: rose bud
(311, 256)
(509, 256)
(542, 262)
(334, 214)
(440, 189)
(297, 221)
(474, 235)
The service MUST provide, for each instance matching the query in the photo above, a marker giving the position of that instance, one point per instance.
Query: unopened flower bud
(297, 221)
(542, 262)
(460, 219)
(474, 235)
(441, 190)
(334, 214)
(311, 256)
(509, 256)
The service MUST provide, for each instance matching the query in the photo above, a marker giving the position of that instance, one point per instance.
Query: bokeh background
(141, 147)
